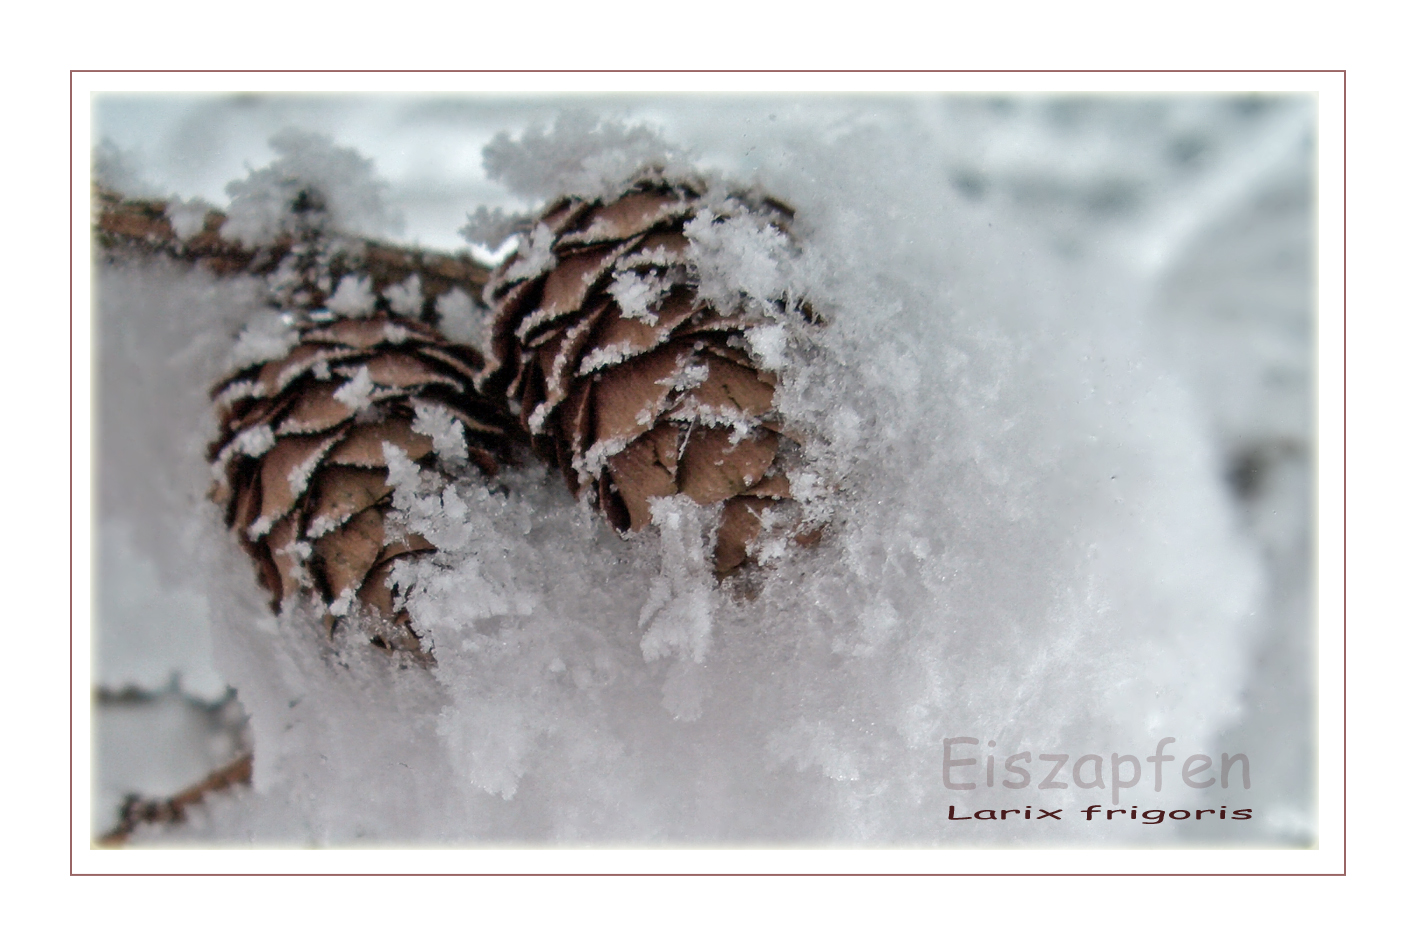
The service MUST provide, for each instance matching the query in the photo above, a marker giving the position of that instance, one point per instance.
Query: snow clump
(311, 174)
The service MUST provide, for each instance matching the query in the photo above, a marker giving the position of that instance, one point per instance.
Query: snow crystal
(342, 604)
(187, 216)
(310, 175)
(395, 333)
(491, 228)
(738, 255)
(269, 336)
(460, 319)
(590, 464)
(603, 356)
(636, 294)
(691, 376)
(581, 155)
(353, 297)
(238, 391)
(256, 441)
(446, 432)
(768, 344)
(402, 474)
(406, 298)
(678, 614)
(536, 257)
(357, 391)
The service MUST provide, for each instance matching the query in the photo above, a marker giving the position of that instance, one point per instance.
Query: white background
(1188, 40)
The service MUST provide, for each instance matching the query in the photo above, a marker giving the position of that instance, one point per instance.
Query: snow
(354, 297)
(1018, 436)
(461, 320)
(536, 257)
(636, 295)
(357, 391)
(406, 298)
(268, 336)
(339, 182)
(579, 155)
(446, 433)
(187, 216)
(739, 254)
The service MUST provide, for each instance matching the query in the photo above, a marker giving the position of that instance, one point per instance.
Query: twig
(137, 810)
(142, 228)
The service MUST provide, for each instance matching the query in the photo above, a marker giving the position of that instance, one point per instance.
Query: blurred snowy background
(1068, 385)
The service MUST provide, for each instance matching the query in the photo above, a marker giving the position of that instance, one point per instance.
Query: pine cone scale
(344, 491)
(629, 216)
(568, 285)
(400, 370)
(713, 468)
(629, 398)
(346, 556)
(362, 447)
(274, 377)
(284, 476)
(644, 470)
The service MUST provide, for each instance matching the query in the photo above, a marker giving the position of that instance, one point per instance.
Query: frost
(691, 376)
(806, 486)
(535, 257)
(738, 256)
(447, 434)
(356, 393)
(270, 336)
(636, 294)
(769, 346)
(402, 474)
(581, 155)
(678, 615)
(604, 356)
(237, 391)
(589, 466)
(353, 297)
(493, 227)
(460, 319)
(311, 176)
(405, 298)
(395, 333)
(256, 441)
(187, 216)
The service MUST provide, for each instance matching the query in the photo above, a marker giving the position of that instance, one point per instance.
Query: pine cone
(302, 469)
(627, 379)
(300, 464)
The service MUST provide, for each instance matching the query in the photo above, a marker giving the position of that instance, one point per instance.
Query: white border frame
(1327, 858)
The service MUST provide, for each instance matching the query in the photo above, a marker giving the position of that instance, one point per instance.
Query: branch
(137, 811)
(141, 228)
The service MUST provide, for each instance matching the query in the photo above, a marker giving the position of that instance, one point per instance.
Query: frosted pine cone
(303, 457)
(306, 437)
(629, 379)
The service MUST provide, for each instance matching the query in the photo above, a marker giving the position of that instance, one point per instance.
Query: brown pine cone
(627, 378)
(299, 461)
(302, 469)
